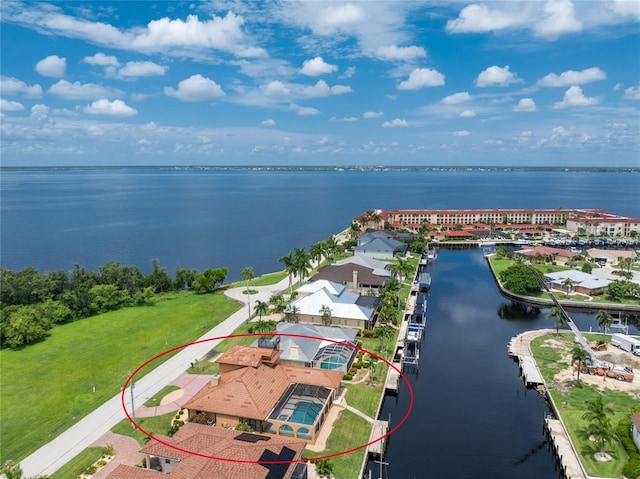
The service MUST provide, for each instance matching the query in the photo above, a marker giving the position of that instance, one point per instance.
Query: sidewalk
(53, 455)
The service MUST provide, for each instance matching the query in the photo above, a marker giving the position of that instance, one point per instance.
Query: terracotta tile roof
(546, 250)
(215, 442)
(252, 393)
(239, 355)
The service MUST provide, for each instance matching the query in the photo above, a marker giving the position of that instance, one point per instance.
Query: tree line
(31, 303)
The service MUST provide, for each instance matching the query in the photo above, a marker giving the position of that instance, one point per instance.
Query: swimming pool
(305, 412)
(333, 362)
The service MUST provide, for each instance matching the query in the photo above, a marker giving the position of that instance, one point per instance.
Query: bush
(348, 376)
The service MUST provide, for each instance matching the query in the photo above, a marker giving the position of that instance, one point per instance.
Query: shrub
(348, 376)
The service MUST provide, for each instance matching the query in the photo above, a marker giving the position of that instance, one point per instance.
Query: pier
(380, 428)
(566, 456)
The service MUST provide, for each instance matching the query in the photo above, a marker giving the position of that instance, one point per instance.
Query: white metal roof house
(379, 246)
(344, 309)
(317, 353)
(581, 282)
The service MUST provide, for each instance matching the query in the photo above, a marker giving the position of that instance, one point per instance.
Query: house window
(167, 461)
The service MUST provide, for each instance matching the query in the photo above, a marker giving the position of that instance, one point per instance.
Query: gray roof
(579, 278)
(308, 347)
(379, 267)
(344, 274)
(386, 245)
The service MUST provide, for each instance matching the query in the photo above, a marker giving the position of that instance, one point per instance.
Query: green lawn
(572, 402)
(48, 386)
(156, 425)
(349, 431)
(79, 464)
(155, 400)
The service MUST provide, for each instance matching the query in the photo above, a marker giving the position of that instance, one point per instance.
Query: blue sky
(535, 83)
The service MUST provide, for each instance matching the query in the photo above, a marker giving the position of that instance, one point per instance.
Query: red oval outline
(317, 338)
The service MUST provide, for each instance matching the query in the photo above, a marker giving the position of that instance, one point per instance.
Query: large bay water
(472, 416)
(237, 218)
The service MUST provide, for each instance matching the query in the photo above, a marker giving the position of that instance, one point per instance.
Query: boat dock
(380, 428)
(565, 455)
(392, 383)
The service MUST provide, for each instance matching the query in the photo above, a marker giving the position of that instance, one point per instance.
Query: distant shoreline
(337, 168)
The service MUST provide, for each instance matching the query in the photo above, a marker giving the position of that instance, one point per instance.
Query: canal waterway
(472, 415)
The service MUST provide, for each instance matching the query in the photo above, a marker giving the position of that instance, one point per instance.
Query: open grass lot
(48, 386)
(571, 400)
(349, 431)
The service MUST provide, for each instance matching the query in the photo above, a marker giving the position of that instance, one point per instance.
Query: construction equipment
(600, 346)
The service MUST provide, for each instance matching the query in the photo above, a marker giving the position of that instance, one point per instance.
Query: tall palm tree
(581, 356)
(604, 319)
(260, 308)
(326, 314)
(599, 427)
(560, 319)
(290, 267)
(401, 267)
(247, 275)
(332, 247)
(291, 314)
(568, 283)
(278, 303)
(316, 251)
(302, 262)
(354, 230)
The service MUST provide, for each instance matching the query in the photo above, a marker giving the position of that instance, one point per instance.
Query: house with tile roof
(198, 451)
(272, 398)
(348, 309)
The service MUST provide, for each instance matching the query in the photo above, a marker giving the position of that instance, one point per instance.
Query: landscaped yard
(552, 355)
(48, 386)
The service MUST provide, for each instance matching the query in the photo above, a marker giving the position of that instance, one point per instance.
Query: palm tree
(332, 247)
(260, 308)
(278, 303)
(316, 251)
(291, 314)
(324, 468)
(289, 267)
(11, 470)
(568, 283)
(401, 267)
(599, 428)
(326, 314)
(302, 263)
(604, 319)
(354, 229)
(247, 275)
(581, 356)
(560, 319)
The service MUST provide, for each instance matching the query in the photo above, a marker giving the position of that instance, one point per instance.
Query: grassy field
(572, 402)
(48, 386)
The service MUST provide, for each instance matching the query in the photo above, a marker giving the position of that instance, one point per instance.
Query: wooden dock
(392, 383)
(380, 428)
(565, 454)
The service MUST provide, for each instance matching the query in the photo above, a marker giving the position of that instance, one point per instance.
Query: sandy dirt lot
(566, 378)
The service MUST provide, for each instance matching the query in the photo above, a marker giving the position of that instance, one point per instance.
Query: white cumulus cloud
(81, 91)
(394, 52)
(571, 77)
(422, 77)
(111, 108)
(461, 133)
(558, 19)
(13, 86)
(102, 60)
(468, 114)
(372, 114)
(317, 66)
(456, 98)
(525, 104)
(6, 105)
(396, 122)
(480, 18)
(496, 76)
(268, 123)
(142, 69)
(303, 110)
(196, 88)
(632, 93)
(52, 66)
(574, 97)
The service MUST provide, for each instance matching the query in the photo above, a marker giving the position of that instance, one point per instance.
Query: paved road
(52, 456)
